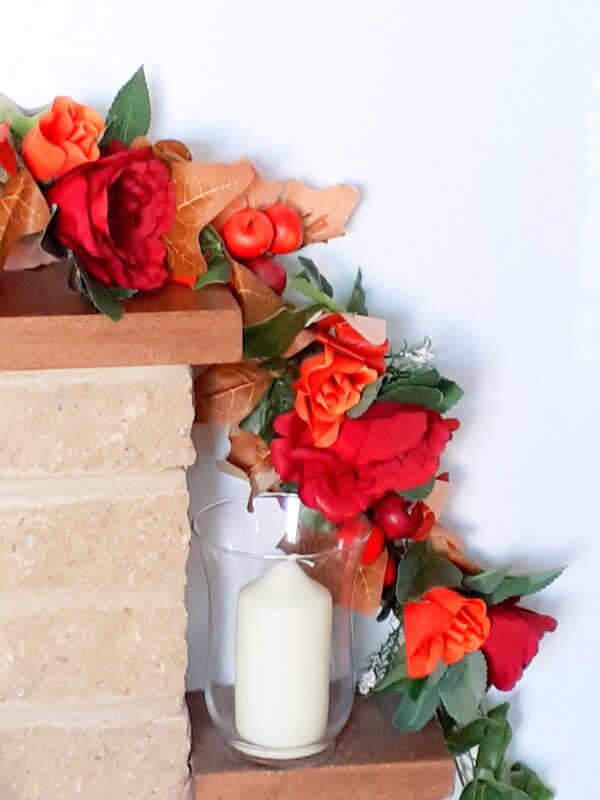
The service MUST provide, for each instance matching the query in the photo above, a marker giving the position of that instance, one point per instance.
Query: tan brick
(96, 761)
(69, 422)
(124, 532)
(89, 652)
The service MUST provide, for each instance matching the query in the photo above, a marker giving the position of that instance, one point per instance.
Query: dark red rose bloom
(113, 212)
(391, 446)
(513, 641)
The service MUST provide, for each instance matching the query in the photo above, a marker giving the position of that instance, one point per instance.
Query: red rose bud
(390, 572)
(268, 271)
(392, 514)
(513, 642)
(374, 546)
(113, 214)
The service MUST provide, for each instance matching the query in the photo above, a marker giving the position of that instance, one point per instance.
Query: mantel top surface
(45, 325)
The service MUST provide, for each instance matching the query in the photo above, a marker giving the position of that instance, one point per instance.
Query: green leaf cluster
(213, 250)
(496, 585)
(272, 337)
(423, 387)
(310, 283)
(419, 571)
(129, 114)
(278, 400)
(357, 302)
(492, 778)
(104, 298)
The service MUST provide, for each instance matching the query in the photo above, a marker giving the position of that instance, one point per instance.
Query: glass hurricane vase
(280, 681)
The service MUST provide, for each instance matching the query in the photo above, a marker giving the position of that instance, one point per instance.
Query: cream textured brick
(69, 422)
(96, 761)
(85, 653)
(123, 532)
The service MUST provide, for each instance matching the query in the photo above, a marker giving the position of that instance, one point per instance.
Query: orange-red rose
(442, 626)
(64, 137)
(339, 334)
(329, 385)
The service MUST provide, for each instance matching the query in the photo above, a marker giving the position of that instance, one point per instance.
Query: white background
(473, 131)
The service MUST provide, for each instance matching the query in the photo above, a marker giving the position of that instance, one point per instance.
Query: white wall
(473, 129)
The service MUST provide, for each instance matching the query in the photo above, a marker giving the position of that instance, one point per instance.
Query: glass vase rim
(360, 541)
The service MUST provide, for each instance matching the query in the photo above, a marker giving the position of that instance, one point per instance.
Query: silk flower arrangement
(322, 404)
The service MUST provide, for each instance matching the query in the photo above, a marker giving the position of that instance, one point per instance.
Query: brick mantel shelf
(96, 421)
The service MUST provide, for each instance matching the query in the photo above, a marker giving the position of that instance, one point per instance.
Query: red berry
(393, 517)
(288, 228)
(248, 233)
(390, 572)
(374, 546)
(270, 272)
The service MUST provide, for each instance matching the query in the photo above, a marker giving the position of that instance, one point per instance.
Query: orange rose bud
(329, 385)
(443, 625)
(64, 137)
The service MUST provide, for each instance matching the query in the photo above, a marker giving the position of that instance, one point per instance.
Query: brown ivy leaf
(441, 541)
(23, 211)
(260, 194)
(256, 300)
(250, 458)
(368, 586)
(164, 149)
(202, 191)
(226, 393)
(324, 212)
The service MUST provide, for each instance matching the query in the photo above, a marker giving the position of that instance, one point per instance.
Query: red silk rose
(113, 213)
(513, 642)
(339, 334)
(391, 446)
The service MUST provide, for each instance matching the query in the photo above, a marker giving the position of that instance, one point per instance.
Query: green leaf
(308, 289)
(493, 747)
(412, 715)
(485, 582)
(489, 789)
(462, 740)
(102, 297)
(522, 585)
(312, 274)
(419, 571)
(525, 779)
(121, 293)
(274, 335)
(357, 304)
(428, 376)
(213, 250)
(278, 400)
(129, 114)
(452, 394)
(427, 396)
(367, 399)
(463, 686)
(419, 492)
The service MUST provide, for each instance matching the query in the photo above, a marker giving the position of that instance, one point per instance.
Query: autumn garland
(322, 405)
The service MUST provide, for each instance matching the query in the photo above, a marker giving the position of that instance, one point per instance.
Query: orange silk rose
(64, 137)
(442, 625)
(330, 384)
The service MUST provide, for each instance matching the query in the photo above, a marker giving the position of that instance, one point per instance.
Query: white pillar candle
(283, 654)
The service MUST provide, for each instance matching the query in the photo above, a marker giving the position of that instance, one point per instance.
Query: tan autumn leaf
(250, 458)
(368, 586)
(202, 191)
(256, 300)
(172, 149)
(324, 212)
(260, 194)
(444, 543)
(226, 393)
(23, 211)
(305, 337)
